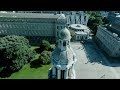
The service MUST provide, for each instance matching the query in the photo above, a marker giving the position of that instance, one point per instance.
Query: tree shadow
(5, 73)
(96, 55)
(39, 50)
(35, 64)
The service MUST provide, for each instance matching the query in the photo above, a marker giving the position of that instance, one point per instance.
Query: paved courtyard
(93, 64)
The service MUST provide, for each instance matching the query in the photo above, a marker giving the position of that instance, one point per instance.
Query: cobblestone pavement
(92, 63)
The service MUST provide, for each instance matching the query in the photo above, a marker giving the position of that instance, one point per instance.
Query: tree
(15, 52)
(15, 38)
(45, 45)
(94, 21)
(72, 32)
(105, 20)
(45, 57)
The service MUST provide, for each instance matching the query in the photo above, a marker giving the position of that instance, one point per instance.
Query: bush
(45, 45)
(15, 38)
(94, 21)
(45, 57)
(15, 52)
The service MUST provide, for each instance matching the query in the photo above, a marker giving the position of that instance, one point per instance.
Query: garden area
(21, 61)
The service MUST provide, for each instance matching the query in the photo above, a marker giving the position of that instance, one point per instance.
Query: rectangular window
(57, 27)
(85, 18)
(70, 18)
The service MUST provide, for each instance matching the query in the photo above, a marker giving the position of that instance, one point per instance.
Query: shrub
(15, 52)
(45, 57)
(45, 45)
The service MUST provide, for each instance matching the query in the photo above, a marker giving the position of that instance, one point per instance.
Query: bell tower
(63, 58)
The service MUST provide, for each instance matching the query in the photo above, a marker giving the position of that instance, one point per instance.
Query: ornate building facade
(63, 58)
(108, 41)
(34, 26)
(73, 17)
(108, 37)
(82, 32)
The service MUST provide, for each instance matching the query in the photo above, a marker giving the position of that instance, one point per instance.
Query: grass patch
(31, 73)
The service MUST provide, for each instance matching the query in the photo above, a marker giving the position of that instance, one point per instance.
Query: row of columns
(58, 73)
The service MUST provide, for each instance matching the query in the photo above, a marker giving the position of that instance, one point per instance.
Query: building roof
(30, 15)
(64, 34)
(62, 57)
(81, 32)
(78, 26)
(62, 16)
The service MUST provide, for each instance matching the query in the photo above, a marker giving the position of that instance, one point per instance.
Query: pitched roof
(29, 15)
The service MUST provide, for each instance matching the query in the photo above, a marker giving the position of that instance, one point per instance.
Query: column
(59, 73)
(53, 72)
(66, 74)
(73, 73)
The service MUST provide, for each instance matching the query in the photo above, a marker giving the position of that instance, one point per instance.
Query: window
(56, 42)
(61, 27)
(85, 18)
(57, 33)
(60, 42)
(62, 74)
(64, 43)
(57, 27)
(77, 37)
(69, 73)
(68, 43)
(70, 18)
(56, 71)
(75, 21)
(80, 17)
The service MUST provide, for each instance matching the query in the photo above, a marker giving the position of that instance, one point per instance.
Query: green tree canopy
(45, 45)
(15, 52)
(94, 21)
(45, 57)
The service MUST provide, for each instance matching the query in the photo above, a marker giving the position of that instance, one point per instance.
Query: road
(92, 63)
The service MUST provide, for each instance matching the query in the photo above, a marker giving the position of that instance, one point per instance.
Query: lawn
(32, 73)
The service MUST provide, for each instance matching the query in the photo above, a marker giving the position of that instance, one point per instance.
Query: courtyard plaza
(92, 63)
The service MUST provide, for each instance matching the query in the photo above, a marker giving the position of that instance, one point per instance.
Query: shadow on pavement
(96, 55)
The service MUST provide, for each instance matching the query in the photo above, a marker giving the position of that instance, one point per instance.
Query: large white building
(108, 37)
(103, 13)
(108, 41)
(34, 26)
(76, 17)
(82, 32)
(73, 17)
(63, 58)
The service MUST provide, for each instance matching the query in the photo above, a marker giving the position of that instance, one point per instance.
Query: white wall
(109, 40)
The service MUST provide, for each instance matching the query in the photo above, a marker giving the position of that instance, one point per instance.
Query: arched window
(68, 43)
(85, 18)
(64, 43)
(62, 74)
(56, 72)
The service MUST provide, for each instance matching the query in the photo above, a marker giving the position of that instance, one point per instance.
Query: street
(92, 63)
